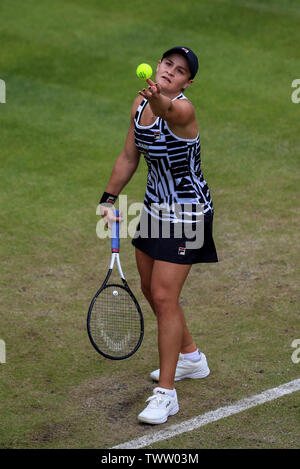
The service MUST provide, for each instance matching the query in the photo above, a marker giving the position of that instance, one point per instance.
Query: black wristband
(108, 198)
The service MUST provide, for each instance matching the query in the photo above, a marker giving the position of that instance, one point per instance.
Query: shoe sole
(162, 420)
(200, 374)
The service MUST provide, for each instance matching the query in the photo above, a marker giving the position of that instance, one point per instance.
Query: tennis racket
(115, 321)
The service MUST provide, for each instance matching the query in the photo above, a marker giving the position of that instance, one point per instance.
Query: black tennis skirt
(180, 245)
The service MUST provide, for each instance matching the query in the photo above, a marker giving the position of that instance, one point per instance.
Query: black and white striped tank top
(174, 166)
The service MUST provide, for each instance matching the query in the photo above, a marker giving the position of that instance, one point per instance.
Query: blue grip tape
(115, 240)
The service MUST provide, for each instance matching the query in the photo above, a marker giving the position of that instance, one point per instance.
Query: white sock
(193, 356)
(171, 392)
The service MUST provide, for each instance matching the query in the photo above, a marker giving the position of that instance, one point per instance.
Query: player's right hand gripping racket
(115, 321)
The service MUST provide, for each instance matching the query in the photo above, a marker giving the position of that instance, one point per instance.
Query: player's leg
(162, 283)
(145, 266)
(166, 285)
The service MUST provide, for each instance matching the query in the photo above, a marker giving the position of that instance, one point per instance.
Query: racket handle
(115, 240)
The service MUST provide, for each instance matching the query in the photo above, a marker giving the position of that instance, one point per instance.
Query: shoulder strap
(140, 109)
(180, 96)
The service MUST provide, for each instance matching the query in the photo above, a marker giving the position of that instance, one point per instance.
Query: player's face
(173, 74)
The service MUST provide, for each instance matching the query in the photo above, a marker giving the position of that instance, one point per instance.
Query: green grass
(69, 68)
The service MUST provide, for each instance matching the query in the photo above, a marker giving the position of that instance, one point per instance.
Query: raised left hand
(152, 91)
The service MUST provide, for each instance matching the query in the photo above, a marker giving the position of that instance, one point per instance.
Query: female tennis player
(175, 229)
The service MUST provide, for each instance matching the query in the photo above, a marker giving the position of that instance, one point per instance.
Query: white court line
(212, 416)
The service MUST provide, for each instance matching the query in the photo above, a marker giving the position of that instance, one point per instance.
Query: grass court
(69, 69)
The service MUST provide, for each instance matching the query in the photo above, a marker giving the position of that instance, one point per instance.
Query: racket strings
(115, 321)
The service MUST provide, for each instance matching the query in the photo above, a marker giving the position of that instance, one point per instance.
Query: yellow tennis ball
(144, 71)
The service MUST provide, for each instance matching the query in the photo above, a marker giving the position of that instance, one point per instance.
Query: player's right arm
(125, 165)
(128, 160)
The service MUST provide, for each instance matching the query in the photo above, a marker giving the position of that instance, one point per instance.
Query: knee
(162, 300)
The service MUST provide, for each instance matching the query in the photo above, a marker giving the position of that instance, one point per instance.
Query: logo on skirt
(181, 251)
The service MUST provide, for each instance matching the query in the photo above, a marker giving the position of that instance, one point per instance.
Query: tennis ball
(144, 71)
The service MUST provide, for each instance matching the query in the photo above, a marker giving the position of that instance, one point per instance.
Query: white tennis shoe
(187, 369)
(160, 406)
